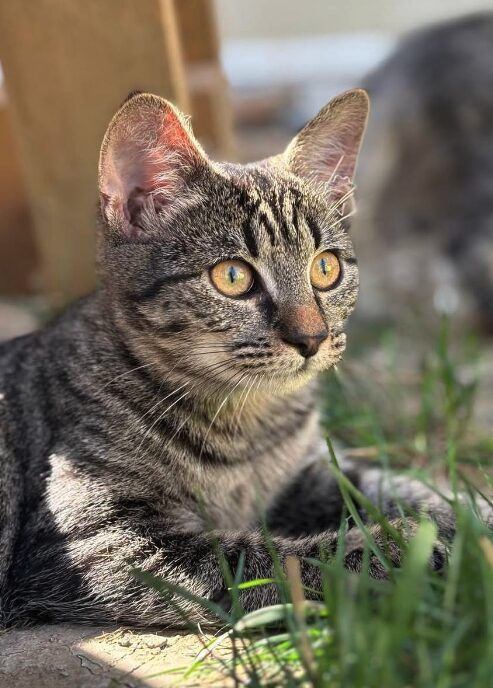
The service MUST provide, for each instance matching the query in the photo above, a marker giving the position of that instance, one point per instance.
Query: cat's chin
(287, 382)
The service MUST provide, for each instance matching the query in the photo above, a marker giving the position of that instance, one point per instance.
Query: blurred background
(251, 73)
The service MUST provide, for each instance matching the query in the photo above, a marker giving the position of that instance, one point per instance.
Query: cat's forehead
(268, 183)
(281, 213)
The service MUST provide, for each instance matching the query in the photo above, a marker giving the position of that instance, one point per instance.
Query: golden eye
(325, 270)
(232, 277)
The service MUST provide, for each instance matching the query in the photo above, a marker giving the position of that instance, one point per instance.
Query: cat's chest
(234, 497)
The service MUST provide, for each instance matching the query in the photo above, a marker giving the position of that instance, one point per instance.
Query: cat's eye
(325, 270)
(232, 277)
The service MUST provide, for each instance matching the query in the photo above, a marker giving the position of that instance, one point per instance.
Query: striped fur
(156, 417)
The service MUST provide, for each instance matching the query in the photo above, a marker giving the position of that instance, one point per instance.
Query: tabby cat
(167, 411)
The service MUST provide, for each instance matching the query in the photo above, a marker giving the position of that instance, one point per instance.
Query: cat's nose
(303, 327)
(307, 344)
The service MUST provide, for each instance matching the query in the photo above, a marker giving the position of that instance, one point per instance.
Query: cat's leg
(77, 553)
(87, 578)
(397, 495)
(312, 501)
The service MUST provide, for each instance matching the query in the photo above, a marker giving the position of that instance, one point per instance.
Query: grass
(419, 629)
(411, 411)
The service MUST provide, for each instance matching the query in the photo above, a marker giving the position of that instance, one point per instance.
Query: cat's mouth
(297, 367)
(314, 365)
(317, 365)
(307, 366)
(326, 357)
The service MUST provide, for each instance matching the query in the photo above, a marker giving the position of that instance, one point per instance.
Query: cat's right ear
(148, 156)
(325, 152)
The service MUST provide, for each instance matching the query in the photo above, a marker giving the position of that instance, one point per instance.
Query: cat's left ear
(326, 150)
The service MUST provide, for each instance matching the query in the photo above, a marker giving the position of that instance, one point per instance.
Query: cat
(170, 409)
(425, 223)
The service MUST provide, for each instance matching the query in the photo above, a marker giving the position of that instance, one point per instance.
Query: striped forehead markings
(277, 216)
(268, 223)
(284, 211)
(314, 230)
(250, 238)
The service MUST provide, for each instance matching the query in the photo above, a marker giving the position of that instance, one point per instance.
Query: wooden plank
(18, 259)
(198, 28)
(68, 65)
(210, 103)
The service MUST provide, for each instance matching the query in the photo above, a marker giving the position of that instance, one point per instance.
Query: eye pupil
(324, 266)
(232, 274)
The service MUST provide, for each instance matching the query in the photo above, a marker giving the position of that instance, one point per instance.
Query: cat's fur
(425, 182)
(158, 409)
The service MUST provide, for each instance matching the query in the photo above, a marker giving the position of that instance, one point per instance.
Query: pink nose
(303, 327)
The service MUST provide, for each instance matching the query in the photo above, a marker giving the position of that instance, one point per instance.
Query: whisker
(217, 413)
(234, 418)
(160, 417)
(340, 202)
(246, 397)
(158, 403)
(127, 372)
(335, 170)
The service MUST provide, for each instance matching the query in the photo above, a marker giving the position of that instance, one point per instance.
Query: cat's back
(32, 407)
(33, 371)
(21, 373)
(22, 354)
(19, 383)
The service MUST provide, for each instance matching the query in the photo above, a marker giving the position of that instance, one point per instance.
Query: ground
(89, 657)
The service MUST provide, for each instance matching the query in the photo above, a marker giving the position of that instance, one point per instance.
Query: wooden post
(212, 116)
(68, 65)
(18, 258)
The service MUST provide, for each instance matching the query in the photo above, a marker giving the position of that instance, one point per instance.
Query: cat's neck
(252, 404)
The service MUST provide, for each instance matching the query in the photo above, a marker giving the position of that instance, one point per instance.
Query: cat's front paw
(356, 544)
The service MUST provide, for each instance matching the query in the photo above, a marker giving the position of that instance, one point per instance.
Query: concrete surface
(67, 656)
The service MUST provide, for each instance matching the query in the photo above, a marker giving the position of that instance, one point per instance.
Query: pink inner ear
(152, 162)
(162, 166)
(173, 134)
(148, 156)
(335, 160)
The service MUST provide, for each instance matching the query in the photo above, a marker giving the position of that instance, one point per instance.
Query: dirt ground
(87, 657)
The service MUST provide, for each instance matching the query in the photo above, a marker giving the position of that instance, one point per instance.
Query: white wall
(282, 18)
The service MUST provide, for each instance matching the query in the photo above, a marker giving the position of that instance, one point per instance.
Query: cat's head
(230, 275)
